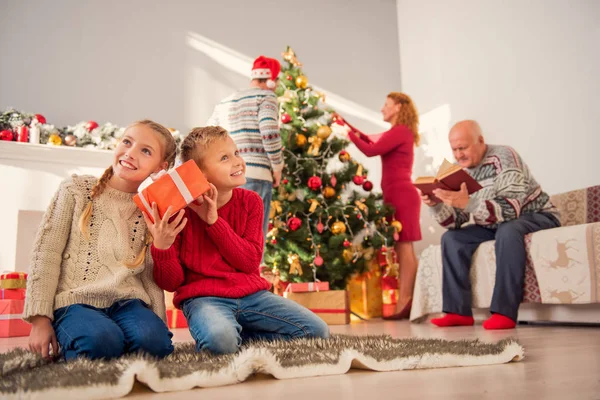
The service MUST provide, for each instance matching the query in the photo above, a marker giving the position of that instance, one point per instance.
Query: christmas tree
(326, 223)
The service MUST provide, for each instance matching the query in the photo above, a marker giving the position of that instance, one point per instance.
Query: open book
(449, 177)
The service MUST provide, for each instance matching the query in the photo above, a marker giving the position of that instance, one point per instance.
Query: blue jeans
(125, 327)
(265, 191)
(458, 247)
(221, 325)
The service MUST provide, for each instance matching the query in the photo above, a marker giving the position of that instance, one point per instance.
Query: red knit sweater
(220, 260)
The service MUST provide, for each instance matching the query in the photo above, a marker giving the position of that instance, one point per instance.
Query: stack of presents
(12, 302)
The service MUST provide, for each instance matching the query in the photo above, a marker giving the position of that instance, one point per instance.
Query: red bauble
(285, 181)
(368, 186)
(289, 77)
(270, 226)
(285, 118)
(315, 183)
(274, 241)
(294, 223)
(359, 180)
(396, 236)
(6, 135)
(320, 227)
(347, 243)
(333, 180)
(91, 125)
(318, 261)
(41, 119)
(22, 134)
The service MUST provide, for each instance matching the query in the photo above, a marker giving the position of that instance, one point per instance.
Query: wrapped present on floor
(176, 188)
(11, 324)
(13, 280)
(307, 287)
(330, 305)
(365, 293)
(169, 300)
(390, 294)
(12, 294)
(176, 319)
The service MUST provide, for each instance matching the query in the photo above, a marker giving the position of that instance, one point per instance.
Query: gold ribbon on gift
(13, 280)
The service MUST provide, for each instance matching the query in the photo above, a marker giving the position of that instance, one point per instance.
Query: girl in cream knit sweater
(91, 288)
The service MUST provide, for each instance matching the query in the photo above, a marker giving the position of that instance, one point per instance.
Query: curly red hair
(408, 115)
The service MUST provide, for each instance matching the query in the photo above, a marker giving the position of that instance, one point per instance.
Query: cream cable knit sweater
(67, 269)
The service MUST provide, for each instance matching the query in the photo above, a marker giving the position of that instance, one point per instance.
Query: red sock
(499, 321)
(453, 320)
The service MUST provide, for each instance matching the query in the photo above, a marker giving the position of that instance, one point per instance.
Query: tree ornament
(71, 140)
(274, 241)
(285, 181)
(295, 266)
(344, 156)
(91, 125)
(338, 228)
(300, 140)
(285, 118)
(275, 209)
(289, 77)
(7, 135)
(397, 225)
(320, 226)
(368, 186)
(41, 119)
(328, 192)
(313, 205)
(294, 223)
(347, 243)
(315, 145)
(323, 132)
(315, 183)
(348, 255)
(318, 260)
(333, 180)
(290, 57)
(357, 179)
(54, 140)
(301, 82)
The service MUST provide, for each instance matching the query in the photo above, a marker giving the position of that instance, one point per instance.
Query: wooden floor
(561, 362)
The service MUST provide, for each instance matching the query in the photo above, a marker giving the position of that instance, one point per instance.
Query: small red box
(12, 294)
(176, 319)
(11, 324)
(307, 287)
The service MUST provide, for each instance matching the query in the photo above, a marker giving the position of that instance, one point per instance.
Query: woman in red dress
(396, 148)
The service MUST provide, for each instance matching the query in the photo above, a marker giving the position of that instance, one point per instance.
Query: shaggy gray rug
(25, 375)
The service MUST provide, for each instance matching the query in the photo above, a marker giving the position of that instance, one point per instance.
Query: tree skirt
(25, 375)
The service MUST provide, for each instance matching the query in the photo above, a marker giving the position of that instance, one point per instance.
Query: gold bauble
(348, 255)
(344, 156)
(323, 132)
(54, 140)
(338, 228)
(397, 225)
(301, 82)
(70, 140)
(328, 192)
(300, 140)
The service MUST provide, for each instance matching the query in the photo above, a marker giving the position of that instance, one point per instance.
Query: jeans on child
(125, 327)
(221, 325)
(264, 189)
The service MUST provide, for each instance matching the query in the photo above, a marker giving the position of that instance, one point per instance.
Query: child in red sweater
(210, 253)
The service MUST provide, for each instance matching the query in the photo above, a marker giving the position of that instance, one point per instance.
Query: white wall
(526, 70)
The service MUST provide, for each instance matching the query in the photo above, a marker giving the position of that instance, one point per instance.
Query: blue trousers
(458, 247)
(221, 325)
(265, 190)
(125, 327)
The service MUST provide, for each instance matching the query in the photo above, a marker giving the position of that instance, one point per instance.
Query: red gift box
(11, 324)
(390, 294)
(176, 319)
(307, 287)
(12, 294)
(176, 188)
(13, 280)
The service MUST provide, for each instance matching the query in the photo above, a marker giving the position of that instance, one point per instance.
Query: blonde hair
(408, 115)
(195, 144)
(168, 154)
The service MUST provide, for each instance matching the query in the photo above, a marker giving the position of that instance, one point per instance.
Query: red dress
(396, 148)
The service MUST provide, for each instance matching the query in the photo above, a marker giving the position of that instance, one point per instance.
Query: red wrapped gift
(307, 287)
(11, 324)
(176, 188)
(13, 280)
(390, 294)
(176, 319)
(12, 294)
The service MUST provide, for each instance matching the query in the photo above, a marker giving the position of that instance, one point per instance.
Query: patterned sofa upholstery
(563, 264)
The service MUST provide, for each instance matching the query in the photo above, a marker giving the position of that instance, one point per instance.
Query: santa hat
(266, 68)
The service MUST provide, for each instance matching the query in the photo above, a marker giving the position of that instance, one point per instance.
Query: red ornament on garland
(91, 125)
(358, 179)
(347, 243)
(274, 241)
(41, 119)
(285, 118)
(368, 186)
(285, 181)
(289, 77)
(294, 223)
(22, 134)
(318, 260)
(333, 180)
(7, 135)
(315, 183)
(320, 226)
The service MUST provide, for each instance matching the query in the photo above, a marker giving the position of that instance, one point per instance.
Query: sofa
(562, 272)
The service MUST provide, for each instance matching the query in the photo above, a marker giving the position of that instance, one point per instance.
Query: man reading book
(510, 205)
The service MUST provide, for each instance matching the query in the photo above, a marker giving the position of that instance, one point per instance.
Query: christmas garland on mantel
(33, 128)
